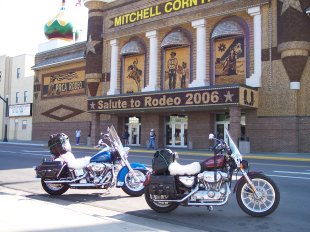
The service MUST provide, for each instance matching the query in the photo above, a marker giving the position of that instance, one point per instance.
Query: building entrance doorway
(221, 123)
(176, 131)
(133, 126)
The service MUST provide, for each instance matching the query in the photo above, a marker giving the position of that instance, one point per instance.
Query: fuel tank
(103, 156)
(208, 164)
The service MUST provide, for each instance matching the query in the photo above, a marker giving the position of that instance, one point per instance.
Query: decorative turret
(60, 27)
(294, 38)
(94, 47)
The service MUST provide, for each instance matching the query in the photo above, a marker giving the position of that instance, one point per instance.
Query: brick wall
(200, 125)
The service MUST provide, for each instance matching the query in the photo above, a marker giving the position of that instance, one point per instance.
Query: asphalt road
(292, 177)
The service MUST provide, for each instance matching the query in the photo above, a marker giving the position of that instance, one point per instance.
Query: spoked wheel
(264, 202)
(160, 207)
(54, 189)
(132, 186)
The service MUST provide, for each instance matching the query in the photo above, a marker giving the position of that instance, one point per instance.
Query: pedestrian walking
(152, 139)
(78, 136)
(126, 137)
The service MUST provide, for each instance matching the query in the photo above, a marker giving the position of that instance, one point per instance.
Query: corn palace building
(185, 68)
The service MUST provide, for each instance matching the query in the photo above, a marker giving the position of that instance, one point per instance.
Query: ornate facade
(190, 67)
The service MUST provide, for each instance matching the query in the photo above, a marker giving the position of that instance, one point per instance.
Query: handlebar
(220, 145)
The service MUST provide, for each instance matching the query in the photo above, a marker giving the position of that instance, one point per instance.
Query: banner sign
(153, 11)
(198, 97)
(20, 110)
(64, 84)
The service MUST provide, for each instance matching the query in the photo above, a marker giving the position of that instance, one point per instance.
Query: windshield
(234, 149)
(115, 138)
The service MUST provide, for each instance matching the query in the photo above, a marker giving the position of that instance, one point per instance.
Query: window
(24, 125)
(18, 72)
(25, 96)
(17, 97)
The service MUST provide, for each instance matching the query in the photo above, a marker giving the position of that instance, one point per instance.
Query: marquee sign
(189, 98)
(153, 11)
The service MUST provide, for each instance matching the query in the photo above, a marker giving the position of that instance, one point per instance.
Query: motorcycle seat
(178, 169)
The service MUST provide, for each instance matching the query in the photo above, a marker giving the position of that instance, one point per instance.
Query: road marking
(292, 177)
(301, 173)
(23, 153)
(35, 151)
(14, 152)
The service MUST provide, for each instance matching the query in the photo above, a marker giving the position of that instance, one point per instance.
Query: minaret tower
(294, 38)
(94, 53)
(94, 46)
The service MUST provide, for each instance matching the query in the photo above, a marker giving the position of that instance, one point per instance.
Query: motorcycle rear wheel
(262, 205)
(54, 189)
(160, 207)
(131, 186)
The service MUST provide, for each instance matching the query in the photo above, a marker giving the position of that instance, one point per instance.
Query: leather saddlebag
(51, 170)
(161, 161)
(162, 185)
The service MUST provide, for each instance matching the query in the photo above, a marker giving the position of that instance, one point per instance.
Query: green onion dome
(60, 27)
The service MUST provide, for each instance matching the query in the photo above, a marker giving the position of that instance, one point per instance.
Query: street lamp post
(5, 139)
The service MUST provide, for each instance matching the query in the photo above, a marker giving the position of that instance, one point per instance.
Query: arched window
(133, 63)
(229, 52)
(176, 53)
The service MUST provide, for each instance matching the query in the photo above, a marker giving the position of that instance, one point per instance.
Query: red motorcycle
(208, 183)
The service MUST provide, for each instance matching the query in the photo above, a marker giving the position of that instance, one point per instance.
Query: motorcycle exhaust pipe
(210, 203)
(64, 181)
(179, 201)
(85, 185)
(89, 185)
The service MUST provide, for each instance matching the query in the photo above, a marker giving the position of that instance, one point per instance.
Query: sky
(22, 23)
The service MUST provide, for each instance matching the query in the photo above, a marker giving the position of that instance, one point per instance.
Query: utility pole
(6, 101)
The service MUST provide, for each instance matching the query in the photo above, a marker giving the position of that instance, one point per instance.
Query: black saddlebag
(161, 161)
(52, 170)
(162, 185)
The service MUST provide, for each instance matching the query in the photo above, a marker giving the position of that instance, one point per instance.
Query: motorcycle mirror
(176, 155)
(211, 136)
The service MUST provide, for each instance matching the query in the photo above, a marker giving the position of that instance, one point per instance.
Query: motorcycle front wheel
(133, 187)
(264, 202)
(160, 207)
(54, 189)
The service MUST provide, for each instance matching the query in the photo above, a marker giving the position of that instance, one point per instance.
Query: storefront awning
(193, 99)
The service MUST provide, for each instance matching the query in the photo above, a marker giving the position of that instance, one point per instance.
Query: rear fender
(122, 173)
(242, 178)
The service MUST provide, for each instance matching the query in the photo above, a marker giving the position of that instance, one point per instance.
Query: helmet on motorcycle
(59, 144)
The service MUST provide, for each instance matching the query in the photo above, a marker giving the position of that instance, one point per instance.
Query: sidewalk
(303, 157)
(22, 212)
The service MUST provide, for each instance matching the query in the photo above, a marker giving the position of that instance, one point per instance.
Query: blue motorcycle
(108, 168)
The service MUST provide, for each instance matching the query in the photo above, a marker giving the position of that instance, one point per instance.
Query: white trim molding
(255, 80)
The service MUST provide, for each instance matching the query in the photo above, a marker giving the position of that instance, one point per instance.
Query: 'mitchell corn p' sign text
(199, 97)
(160, 9)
